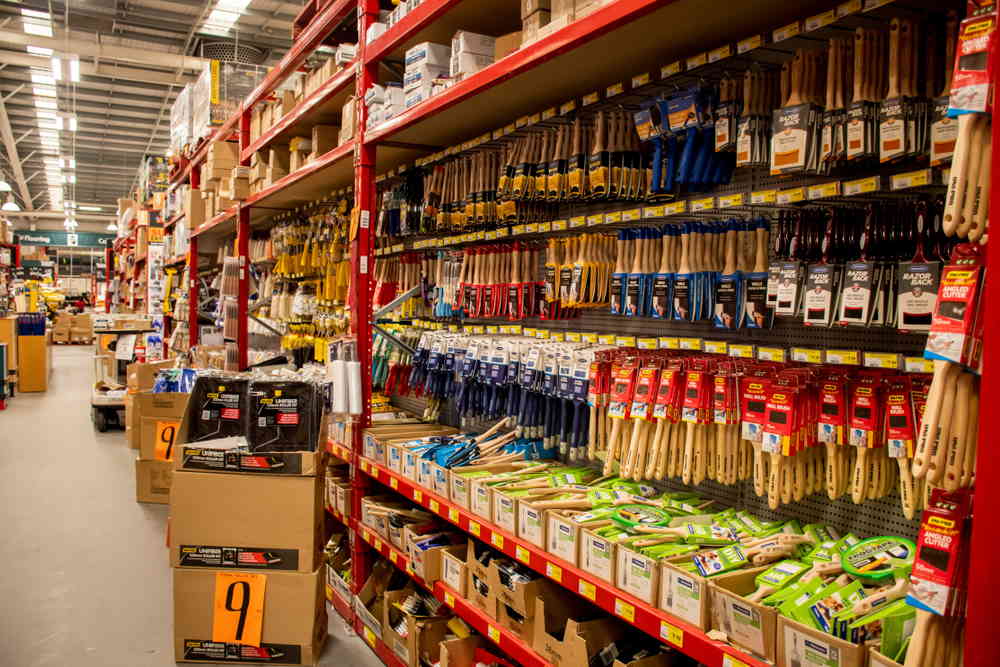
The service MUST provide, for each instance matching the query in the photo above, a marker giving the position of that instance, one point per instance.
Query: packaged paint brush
(282, 416)
(217, 406)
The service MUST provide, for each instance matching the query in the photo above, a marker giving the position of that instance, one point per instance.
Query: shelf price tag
(566, 107)
(625, 610)
(522, 554)
(573, 336)
(449, 599)
(715, 55)
(690, 343)
(862, 186)
(625, 341)
(452, 515)
(557, 336)
(531, 228)
(703, 204)
(918, 365)
(675, 208)
(807, 355)
(588, 337)
(418, 495)
(790, 196)
(728, 201)
(553, 571)
(394, 483)
(612, 218)
(587, 590)
(491, 329)
(493, 633)
(741, 351)
(831, 189)
(647, 343)
(640, 79)
(670, 343)
(606, 339)
(616, 89)
(820, 20)
(369, 637)
(590, 98)
(377, 544)
(394, 557)
(764, 197)
(435, 507)
(475, 528)
(497, 540)
(716, 346)
(786, 32)
(549, 113)
(696, 61)
(730, 661)
(850, 7)
(596, 219)
(843, 357)
(749, 44)
(529, 332)
(542, 334)
(882, 360)
(577, 221)
(672, 634)
(652, 212)
(632, 214)
(911, 179)
(559, 225)
(670, 70)
(771, 354)
(544, 227)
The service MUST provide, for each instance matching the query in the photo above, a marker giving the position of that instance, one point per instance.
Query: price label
(493, 633)
(671, 69)
(238, 613)
(862, 186)
(606, 339)
(764, 197)
(577, 221)
(640, 80)
(364, 466)
(674, 208)
(393, 482)
(573, 336)
(418, 495)
(918, 365)
(771, 354)
(497, 540)
(566, 107)
(542, 334)
(491, 329)
(616, 89)
(625, 341)
(851, 7)
(671, 634)
(625, 609)
(507, 129)
(491, 236)
(394, 557)
(449, 599)
(741, 351)
(882, 360)
(521, 122)
(647, 343)
(521, 554)
(559, 225)
(831, 189)
(531, 228)
(534, 118)
(369, 637)
(516, 330)
(475, 528)
(652, 212)
(529, 332)
(790, 196)
(590, 98)
(632, 214)
(696, 61)
(749, 44)
(553, 571)
(557, 336)
(730, 661)
(612, 218)
(807, 355)
(452, 515)
(728, 201)
(587, 590)
(911, 179)
(549, 113)
(544, 227)
(786, 32)
(588, 337)
(670, 343)
(715, 55)
(166, 432)
(843, 357)
(716, 346)
(690, 343)
(517, 230)
(704, 204)
(820, 20)
(377, 544)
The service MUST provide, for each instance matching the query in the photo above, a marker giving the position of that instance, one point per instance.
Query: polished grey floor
(84, 578)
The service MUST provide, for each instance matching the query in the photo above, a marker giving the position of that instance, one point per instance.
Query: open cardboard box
(273, 522)
(375, 438)
(225, 456)
(294, 619)
(459, 652)
(152, 481)
(637, 575)
(453, 570)
(460, 481)
(659, 660)
(799, 644)
(686, 594)
(368, 601)
(597, 554)
(520, 596)
(570, 632)
(562, 536)
(876, 659)
(428, 564)
(423, 635)
(479, 592)
(747, 624)
(158, 418)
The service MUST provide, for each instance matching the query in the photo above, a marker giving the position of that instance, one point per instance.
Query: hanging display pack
(283, 416)
(216, 407)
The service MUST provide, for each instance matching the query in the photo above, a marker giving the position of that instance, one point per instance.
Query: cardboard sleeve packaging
(568, 633)
(747, 624)
(423, 635)
(156, 414)
(274, 521)
(152, 481)
(459, 652)
(801, 645)
(294, 622)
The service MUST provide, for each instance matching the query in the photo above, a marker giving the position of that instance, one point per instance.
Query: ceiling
(134, 57)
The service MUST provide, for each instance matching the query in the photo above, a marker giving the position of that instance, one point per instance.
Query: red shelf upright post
(361, 254)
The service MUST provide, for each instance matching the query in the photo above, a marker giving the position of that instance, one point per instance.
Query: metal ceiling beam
(99, 99)
(93, 131)
(285, 18)
(106, 110)
(13, 158)
(57, 214)
(61, 44)
(109, 84)
(88, 68)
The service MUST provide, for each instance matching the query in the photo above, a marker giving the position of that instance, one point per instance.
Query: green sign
(59, 238)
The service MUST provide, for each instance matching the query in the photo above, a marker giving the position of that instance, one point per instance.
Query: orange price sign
(166, 432)
(239, 607)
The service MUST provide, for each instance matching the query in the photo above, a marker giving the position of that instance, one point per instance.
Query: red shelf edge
(422, 15)
(326, 160)
(228, 214)
(654, 622)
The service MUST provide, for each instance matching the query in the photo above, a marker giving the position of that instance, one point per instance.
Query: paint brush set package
(283, 415)
(217, 406)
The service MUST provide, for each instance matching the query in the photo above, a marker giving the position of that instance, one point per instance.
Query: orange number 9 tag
(239, 607)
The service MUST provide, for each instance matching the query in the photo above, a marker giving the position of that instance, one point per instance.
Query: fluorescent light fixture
(39, 51)
(37, 29)
(10, 204)
(35, 14)
(43, 79)
(46, 104)
(74, 68)
(91, 208)
(66, 121)
(57, 68)
(4, 185)
(41, 91)
(112, 226)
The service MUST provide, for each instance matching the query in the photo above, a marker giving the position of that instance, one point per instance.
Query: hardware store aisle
(85, 579)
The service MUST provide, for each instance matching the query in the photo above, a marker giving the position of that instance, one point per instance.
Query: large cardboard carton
(293, 625)
(570, 632)
(428, 564)
(460, 480)
(152, 481)
(421, 644)
(226, 455)
(158, 418)
(460, 652)
(799, 644)
(267, 522)
(747, 624)
(597, 554)
(140, 376)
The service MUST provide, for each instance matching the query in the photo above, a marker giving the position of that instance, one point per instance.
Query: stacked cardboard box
(470, 53)
(424, 63)
(151, 425)
(82, 329)
(61, 327)
(247, 529)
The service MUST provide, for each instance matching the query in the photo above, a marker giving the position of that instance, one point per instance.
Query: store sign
(58, 238)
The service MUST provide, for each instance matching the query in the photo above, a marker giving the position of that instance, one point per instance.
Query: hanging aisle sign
(60, 238)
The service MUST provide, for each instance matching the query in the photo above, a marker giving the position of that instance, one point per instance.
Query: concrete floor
(85, 579)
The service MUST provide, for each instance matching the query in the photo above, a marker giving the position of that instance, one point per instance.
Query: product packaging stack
(247, 521)
(219, 92)
(180, 121)
(82, 329)
(470, 53)
(153, 416)
(61, 327)
(424, 63)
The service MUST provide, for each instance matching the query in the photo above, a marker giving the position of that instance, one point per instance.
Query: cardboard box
(480, 595)
(348, 121)
(459, 652)
(562, 537)
(428, 564)
(421, 645)
(427, 53)
(460, 480)
(520, 596)
(747, 624)
(532, 522)
(324, 138)
(799, 644)
(507, 44)
(637, 574)
(338, 586)
(876, 659)
(223, 153)
(294, 617)
(60, 336)
(152, 481)
(529, 7)
(422, 75)
(368, 603)
(570, 632)
(140, 377)
(453, 571)
(658, 660)
(469, 42)
(463, 64)
(223, 457)
(158, 418)
(226, 520)
(597, 555)
(193, 207)
(686, 595)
